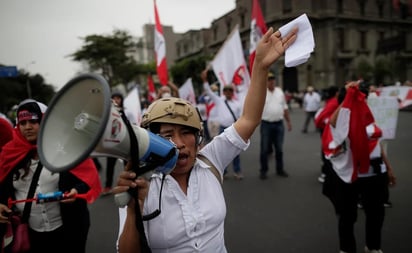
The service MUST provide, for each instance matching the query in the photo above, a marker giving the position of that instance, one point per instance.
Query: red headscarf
(6, 132)
(18, 148)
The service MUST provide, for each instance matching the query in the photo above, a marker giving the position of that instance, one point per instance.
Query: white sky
(37, 35)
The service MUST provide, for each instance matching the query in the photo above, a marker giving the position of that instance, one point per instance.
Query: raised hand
(273, 45)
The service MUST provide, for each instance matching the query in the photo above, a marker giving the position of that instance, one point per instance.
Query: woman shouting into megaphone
(191, 198)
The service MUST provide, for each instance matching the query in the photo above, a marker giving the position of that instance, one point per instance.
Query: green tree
(382, 70)
(16, 89)
(364, 70)
(110, 56)
(190, 68)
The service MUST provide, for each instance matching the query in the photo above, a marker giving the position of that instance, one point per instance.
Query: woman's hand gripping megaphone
(128, 180)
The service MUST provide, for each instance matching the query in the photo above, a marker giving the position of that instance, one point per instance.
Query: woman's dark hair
(363, 87)
(332, 92)
(341, 95)
(24, 164)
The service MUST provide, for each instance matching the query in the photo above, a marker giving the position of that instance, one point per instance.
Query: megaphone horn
(82, 121)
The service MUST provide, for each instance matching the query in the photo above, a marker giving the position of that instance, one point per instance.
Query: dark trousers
(271, 134)
(322, 155)
(57, 241)
(310, 116)
(206, 132)
(371, 192)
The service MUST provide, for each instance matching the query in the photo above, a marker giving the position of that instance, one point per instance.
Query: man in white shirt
(272, 130)
(311, 104)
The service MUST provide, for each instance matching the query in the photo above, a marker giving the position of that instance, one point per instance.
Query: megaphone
(82, 121)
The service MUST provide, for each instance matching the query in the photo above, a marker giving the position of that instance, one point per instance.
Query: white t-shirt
(275, 105)
(311, 102)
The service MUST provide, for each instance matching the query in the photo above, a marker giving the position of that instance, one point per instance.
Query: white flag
(187, 92)
(132, 107)
(229, 65)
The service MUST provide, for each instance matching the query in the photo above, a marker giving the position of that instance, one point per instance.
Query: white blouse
(43, 216)
(193, 222)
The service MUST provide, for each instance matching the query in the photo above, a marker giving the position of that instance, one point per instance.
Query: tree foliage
(190, 68)
(16, 89)
(110, 56)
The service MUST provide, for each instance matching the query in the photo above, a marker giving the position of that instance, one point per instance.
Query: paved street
(289, 215)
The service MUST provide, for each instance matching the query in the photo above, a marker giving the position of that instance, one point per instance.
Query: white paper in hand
(299, 51)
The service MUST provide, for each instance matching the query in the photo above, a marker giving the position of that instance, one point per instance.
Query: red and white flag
(187, 92)
(230, 67)
(151, 95)
(257, 29)
(402, 93)
(160, 49)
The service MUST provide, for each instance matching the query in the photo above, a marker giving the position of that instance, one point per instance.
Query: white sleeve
(341, 130)
(224, 148)
(122, 219)
(215, 98)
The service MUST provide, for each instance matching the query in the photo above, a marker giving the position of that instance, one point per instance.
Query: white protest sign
(385, 111)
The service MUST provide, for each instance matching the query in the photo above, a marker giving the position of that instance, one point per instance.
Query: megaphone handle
(121, 199)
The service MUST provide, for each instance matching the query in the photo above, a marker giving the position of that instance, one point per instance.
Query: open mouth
(183, 156)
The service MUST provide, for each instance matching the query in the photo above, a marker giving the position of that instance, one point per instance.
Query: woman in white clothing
(192, 203)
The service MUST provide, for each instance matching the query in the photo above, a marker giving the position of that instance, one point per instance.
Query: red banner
(151, 95)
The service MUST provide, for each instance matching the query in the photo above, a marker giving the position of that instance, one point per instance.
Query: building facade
(367, 39)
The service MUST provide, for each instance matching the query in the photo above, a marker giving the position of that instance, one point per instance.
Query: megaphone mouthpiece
(86, 123)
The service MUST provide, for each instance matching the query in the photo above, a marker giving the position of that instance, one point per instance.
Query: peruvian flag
(257, 29)
(151, 95)
(229, 65)
(160, 49)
